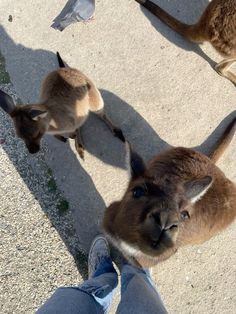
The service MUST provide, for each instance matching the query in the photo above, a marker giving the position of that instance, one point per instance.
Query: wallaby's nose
(156, 233)
(165, 221)
(171, 226)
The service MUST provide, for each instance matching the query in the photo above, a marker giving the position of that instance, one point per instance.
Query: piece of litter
(10, 19)
(74, 11)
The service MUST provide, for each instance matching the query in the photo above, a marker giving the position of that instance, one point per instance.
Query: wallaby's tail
(223, 142)
(60, 61)
(190, 32)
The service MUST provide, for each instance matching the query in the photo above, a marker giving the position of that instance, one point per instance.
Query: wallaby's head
(28, 121)
(152, 211)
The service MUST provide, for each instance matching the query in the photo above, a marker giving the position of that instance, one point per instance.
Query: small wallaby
(217, 25)
(67, 97)
(179, 198)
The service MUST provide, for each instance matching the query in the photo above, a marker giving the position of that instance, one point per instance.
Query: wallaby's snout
(30, 121)
(165, 222)
(32, 143)
(33, 148)
(161, 229)
(29, 126)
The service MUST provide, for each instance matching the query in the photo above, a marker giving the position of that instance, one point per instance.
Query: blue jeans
(94, 296)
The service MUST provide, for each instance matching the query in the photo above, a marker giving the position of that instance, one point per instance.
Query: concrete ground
(161, 91)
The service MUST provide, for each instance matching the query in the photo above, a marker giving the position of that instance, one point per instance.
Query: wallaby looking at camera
(217, 25)
(180, 197)
(67, 97)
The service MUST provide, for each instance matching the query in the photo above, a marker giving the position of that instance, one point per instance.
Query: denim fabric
(94, 296)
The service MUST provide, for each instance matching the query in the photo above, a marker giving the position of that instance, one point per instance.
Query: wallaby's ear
(135, 163)
(6, 102)
(37, 114)
(195, 189)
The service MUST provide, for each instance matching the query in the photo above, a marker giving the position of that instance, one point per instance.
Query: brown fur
(67, 97)
(217, 25)
(185, 199)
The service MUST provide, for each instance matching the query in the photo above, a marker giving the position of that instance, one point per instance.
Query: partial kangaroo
(67, 97)
(180, 197)
(217, 25)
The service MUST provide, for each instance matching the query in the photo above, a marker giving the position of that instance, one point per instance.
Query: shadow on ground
(187, 12)
(78, 227)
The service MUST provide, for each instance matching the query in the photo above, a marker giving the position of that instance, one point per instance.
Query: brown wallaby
(67, 97)
(180, 197)
(217, 25)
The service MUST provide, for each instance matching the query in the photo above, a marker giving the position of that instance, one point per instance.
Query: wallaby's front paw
(81, 153)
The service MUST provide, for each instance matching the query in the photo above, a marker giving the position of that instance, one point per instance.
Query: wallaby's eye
(138, 192)
(184, 215)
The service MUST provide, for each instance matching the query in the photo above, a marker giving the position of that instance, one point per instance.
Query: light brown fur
(217, 25)
(179, 198)
(67, 97)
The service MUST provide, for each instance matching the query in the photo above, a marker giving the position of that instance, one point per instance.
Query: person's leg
(95, 294)
(138, 292)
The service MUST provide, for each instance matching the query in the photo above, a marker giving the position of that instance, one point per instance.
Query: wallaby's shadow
(136, 129)
(86, 203)
(71, 228)
(187, 12)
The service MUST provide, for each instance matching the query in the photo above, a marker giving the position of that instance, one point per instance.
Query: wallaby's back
(64, 83)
